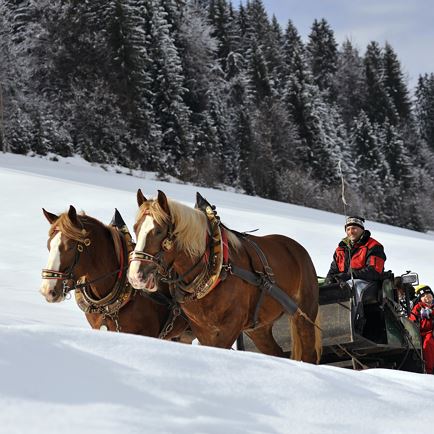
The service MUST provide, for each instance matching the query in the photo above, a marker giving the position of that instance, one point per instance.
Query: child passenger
(422, 313)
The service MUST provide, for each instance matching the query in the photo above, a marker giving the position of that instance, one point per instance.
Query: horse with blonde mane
(91, 258)
(226, 282)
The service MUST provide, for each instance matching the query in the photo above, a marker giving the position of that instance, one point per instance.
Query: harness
(215, 267)
(264, 280)
(215, 255)
(118, 297)
(121, 293)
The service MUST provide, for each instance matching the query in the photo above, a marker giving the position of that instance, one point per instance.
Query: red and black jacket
(367, 258)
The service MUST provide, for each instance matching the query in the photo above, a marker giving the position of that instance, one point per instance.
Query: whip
(344, 202)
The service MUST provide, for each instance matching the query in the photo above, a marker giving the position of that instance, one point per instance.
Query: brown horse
(177, 243)
(91, 258)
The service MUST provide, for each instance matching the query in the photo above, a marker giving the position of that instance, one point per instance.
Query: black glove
(342, 277)
(329, 280)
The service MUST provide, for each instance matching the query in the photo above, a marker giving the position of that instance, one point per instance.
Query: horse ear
(201, 202)
(140, 197)
(72, 214)
(162, 201)
(50, 216)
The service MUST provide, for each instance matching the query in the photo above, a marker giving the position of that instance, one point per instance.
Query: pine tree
(371, 167)
(378, 104)
(395, 84)
(168, 90)
(293, 50)
(275, 56)
(401, 180)
(425, 109)
(322, 54)
(257, 40)
(203, 79)
(240, 152)
(308, 109)
(224, 30)
(276, 138)
(260, 84)
(349, 83)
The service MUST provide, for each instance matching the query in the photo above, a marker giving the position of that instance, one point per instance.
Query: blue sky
(406, 24)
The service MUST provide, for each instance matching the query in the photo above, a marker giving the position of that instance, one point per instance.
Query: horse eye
(158, 231)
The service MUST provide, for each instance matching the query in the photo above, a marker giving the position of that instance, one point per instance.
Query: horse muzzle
(138, 280)
(52, 295)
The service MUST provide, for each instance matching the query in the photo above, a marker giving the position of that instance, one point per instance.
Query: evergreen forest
(220, 95)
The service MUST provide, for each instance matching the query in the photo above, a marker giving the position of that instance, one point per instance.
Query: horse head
(67, 239)
(155, 245)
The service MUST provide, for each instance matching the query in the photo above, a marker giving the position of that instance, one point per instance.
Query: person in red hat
(422, 313)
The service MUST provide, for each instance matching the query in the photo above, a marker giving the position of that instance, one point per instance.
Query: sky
(406, 25)
(59, 376)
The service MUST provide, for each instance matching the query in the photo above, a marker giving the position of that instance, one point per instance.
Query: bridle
(167, 245)
(165, 271)
(68, 275)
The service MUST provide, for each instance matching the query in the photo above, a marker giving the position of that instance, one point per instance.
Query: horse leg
(264, 340)
(306, 340)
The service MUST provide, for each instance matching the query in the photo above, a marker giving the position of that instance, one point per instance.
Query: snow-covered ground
(58, 376)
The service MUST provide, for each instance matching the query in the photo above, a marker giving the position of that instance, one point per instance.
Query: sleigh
(384, 338)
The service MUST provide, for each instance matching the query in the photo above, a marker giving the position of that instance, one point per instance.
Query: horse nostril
(52, 293)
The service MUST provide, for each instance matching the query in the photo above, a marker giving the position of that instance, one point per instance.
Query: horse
(222, 282)
(91, 258)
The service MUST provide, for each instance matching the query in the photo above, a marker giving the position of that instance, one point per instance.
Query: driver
(358, 257)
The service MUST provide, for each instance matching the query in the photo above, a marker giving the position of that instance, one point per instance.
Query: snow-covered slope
(57, 375)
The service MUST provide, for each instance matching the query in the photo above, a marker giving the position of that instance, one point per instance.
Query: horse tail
(296, 345)
(296, 342)
(318, 339)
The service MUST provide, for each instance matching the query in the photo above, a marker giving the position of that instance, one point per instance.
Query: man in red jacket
(358, 258)
(422, 313)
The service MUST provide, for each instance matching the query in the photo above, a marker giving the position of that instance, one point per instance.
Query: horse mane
(190, 225)
(67, 227)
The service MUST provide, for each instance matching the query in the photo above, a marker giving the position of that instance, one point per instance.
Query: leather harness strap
(121, 293)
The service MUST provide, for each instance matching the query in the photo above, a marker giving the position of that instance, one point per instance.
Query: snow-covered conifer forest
(219, 94)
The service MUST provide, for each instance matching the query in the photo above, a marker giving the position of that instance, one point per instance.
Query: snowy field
(58, 376)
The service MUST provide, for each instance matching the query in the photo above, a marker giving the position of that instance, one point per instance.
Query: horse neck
(101, 261)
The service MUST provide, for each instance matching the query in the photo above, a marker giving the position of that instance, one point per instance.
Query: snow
(59, 376)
